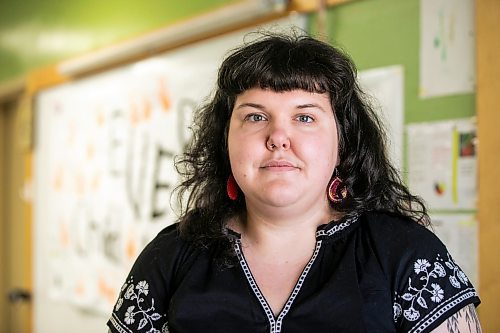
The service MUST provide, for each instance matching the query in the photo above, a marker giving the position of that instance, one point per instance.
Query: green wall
(380, 33)
(375, 33)
(37, 33)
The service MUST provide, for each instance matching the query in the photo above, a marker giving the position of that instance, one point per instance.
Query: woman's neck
(267, 229)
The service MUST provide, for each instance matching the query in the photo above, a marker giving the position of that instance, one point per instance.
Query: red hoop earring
(337, 191)
(232, 188)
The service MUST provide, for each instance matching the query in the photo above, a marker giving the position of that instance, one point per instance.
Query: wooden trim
(488, 116)
(98, 68)
(43, 78)
(305, 6)
(12, 88)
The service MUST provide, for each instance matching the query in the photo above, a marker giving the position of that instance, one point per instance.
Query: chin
(280, 203)
(281, 198)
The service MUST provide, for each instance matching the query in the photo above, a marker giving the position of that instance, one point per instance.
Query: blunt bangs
(279, 63)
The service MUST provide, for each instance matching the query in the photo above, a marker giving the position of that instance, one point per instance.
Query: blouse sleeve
(430, 286)
(142, 303)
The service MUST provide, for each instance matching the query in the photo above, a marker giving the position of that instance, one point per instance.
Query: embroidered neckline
(334, 229)
(328, 230)
(275, 322)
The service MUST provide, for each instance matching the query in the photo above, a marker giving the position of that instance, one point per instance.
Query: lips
(279, 165)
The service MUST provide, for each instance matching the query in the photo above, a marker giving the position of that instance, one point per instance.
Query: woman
(295, 220)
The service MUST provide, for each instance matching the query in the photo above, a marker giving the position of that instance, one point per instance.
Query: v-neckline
(274, 321)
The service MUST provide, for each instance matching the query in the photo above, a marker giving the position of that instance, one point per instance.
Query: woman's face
(283, 147)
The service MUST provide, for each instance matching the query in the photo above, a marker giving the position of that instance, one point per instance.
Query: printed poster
(442, 163)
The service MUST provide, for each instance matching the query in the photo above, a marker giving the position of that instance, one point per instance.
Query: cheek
(323, 145)
(241, 154)
(234, 159)
(232, 144)
(328, 160)
(323, 154)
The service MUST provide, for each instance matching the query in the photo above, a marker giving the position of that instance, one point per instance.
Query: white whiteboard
(104, 173)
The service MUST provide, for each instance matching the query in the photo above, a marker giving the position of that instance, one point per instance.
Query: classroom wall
(35, 33)
(375, 33)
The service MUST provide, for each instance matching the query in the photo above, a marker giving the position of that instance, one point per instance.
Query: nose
(278, 138)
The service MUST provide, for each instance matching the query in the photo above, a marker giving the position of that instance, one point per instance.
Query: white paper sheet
(385, 85)
(447, 37)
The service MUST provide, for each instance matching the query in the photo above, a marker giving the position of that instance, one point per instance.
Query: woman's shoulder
(167, 250)
(427, 284)
(396, 228)
(167, 239)
(390, 220)
(399, 242)
(150, 283)
(169, 235)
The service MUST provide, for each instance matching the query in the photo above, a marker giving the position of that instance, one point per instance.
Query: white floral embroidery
(397, 310)
(130, 294)
(143, 287)
(437, 293)
(439, 269)
(421, 265)
(457, 272)
(129, 315)
(119, 304)
(411, 314)
(137, 318)
(427, 286)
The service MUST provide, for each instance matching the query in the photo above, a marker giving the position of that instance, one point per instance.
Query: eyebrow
(262, 107)
(251, 105)
(310, 105)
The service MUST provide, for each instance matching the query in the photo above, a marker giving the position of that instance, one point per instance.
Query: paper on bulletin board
(385, 85)
(446, 47)
(442, 163)
(459, 233)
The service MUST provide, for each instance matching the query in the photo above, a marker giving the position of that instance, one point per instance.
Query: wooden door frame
(488, 119)
(15, 213)
(3, 212)
(16, 154)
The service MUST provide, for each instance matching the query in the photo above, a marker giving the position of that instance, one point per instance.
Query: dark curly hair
(284, 63)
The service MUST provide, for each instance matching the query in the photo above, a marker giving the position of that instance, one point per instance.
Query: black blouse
(371, 273)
